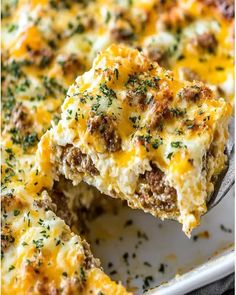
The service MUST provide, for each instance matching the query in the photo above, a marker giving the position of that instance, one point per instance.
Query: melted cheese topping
(49, 258)
(42, 55)
(127, 114)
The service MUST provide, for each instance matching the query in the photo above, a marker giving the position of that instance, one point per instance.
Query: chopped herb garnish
(147, 264)
(128, 223)
(108, 17)
(11, 267)
(30, 140)
(79, 29)
(156, 143)
(147, 281)
(82, 275)
(58, 242)
(95, 106)
(178, 112)
(177, 144)
(169, 156)
(52, 86)
(12, 28)
(116, 74)
(108, 92)
(142, 235)
(125, 257)
(181, 57)
(16, 212)
(195, 238)
(38, 243)
(190, 124)
(227, 230)
(161, 268)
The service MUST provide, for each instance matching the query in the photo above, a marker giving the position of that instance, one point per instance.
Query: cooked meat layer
(155, 192)
(76, 160)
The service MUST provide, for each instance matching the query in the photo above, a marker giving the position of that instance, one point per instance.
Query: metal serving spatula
(227, 178)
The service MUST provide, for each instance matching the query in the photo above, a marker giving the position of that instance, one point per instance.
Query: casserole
(42, 55)
(132, 130)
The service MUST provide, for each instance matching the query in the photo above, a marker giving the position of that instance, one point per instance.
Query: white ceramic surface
(208, 272)
(139, 249)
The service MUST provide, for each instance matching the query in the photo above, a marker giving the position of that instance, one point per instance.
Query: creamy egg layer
(129, 128)
(42, 55)
(45, 45)
(49, 259)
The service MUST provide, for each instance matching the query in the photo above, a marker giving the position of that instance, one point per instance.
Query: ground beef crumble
(105, 127)
(195, 92)
(155, 192)
(21, 118)
(77, 161)
(158, 55)
(225, 7)
(207, 41)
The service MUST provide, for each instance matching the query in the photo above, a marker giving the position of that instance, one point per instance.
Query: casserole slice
(40, 255)
(129, 128)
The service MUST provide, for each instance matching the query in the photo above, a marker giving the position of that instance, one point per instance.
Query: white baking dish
(208, 272)
(162, 245)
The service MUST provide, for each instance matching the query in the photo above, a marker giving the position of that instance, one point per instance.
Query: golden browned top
(42, 55)
(127, 113)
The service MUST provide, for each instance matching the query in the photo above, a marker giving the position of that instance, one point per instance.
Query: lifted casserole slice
(134, 132)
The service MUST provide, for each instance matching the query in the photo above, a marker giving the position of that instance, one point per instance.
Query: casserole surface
(42, 55)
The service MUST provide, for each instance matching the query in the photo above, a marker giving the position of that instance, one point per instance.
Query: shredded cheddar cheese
(46, 44)
(159, 149)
